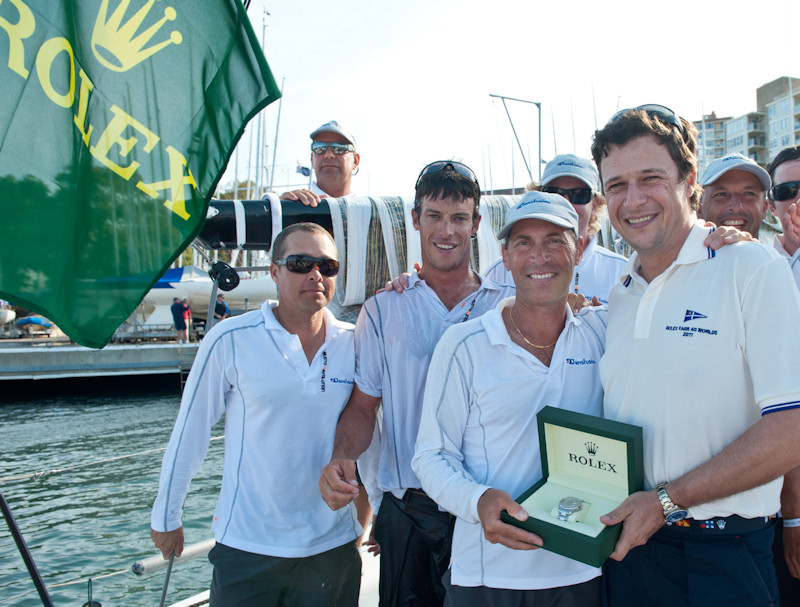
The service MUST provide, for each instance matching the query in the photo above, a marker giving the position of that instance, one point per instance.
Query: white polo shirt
(280, 421)
(794, 260)
(395, 337)
(598, 271)
(478, 431)
(699, 354)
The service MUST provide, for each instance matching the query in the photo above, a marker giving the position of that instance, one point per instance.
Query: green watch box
(596, 460)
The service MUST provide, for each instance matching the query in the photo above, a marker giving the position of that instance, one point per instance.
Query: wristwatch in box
(568, 506)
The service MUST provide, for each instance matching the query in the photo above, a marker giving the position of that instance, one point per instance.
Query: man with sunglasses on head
(700, 352)
(281, 376)
(396, 334)
(784, 203)
(576, 179)
(335, 162)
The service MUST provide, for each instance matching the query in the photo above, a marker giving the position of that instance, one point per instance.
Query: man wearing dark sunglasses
(281, 376)
(335, 162)
(395, 338)
(784, 203)
(701, 351)
(576, 179)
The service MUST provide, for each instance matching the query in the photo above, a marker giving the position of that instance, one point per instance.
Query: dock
(43, 358)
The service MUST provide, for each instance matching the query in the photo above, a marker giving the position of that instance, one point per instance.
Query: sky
(412, 79)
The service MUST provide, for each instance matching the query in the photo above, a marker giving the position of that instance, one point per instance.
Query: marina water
(94, 520)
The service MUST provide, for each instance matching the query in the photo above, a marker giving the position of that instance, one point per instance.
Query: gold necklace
(525, 339)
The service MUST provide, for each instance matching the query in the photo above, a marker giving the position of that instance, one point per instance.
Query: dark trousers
(788, 586)
(244, 579)
(693, 567)
(415, 539)
(588, 594)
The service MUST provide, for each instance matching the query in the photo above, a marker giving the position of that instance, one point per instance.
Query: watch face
(570, 503)
(675, 516)
(568, 506)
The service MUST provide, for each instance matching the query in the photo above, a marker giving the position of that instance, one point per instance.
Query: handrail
(33, 571)
(157, 562)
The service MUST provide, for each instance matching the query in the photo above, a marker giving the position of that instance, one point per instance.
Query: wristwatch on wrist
(568, 506)
(672, 513)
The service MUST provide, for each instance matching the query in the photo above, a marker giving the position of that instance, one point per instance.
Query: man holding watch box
(700, 351)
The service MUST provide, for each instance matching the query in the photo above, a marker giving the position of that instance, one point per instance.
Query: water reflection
(94, 520)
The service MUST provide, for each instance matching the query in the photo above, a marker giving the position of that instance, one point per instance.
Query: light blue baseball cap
(333, 127)
(552, 208)
(734, 162)
(570, 165)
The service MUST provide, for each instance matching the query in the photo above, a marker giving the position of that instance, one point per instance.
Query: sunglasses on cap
(320, 147)
(441, 165)
(303, 264)
(579, 196)
(654, 110)
(784, 191)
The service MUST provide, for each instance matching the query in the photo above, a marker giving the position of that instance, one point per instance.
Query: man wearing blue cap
(735, 193)
(335, 162)
(477, 445)
(577, 180)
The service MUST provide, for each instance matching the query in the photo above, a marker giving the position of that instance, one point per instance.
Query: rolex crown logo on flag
(118, 119)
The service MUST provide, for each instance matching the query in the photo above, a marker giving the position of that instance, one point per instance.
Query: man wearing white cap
(576, 179)
(477, 445)
(335, 162)
(735, 193)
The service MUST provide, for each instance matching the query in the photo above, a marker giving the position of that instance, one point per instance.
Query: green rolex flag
(117, 121)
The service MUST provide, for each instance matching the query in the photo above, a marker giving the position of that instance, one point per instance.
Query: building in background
(780, 100)
(761, 134)
(710, 139)
(747, 135)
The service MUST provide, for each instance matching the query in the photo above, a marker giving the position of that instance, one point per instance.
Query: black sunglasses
(654, 110)
(784, 191)
(320, 147)
(303, 264)
(441, 165)
(578, 196)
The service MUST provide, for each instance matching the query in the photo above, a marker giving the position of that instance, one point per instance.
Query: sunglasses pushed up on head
(441, 165)
(654, 110)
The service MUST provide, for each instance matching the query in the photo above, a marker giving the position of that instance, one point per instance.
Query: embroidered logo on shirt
(582, 361)
(340, 380)
(692, 315)
(688, 331)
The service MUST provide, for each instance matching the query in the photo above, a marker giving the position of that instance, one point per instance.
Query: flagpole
(277, 126)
